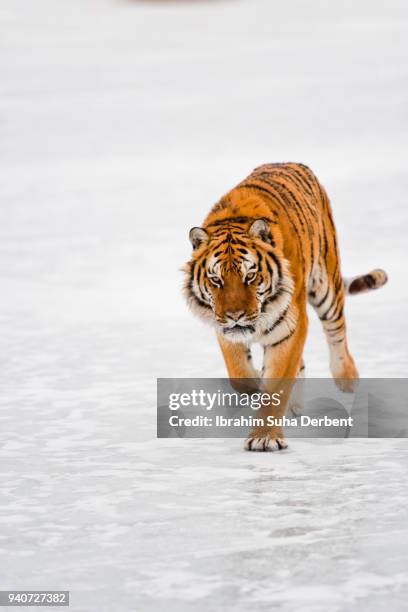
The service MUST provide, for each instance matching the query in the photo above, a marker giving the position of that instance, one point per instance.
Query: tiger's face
(233, 296)
(235, 277)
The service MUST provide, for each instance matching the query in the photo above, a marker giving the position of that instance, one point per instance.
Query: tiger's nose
(235, 315)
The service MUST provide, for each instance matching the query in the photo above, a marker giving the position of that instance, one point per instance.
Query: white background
(121, 123)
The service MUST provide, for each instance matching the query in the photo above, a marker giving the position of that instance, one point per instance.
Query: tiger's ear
(260, 229)
(197, 237)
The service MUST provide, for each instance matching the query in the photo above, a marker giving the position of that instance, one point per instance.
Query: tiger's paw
(346, 377)
(265, 444)
(347, 385)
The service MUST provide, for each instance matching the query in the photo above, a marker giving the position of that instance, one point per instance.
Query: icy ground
(121, 123)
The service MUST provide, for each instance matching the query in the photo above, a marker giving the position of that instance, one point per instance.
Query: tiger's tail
(359, 284)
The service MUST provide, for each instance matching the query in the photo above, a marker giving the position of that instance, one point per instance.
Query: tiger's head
(237, 278)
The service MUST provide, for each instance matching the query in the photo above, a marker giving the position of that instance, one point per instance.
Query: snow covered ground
(121, 123)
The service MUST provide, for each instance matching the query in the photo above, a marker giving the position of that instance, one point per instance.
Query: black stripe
(276, 260)
(274, 297)
(283, 339)
(339, 316)
(334, 330)
(301, 180)
(336, 305)
(278, 321)
(325, 296)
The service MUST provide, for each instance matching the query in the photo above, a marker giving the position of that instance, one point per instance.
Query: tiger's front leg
(238, 359)
(282, 361)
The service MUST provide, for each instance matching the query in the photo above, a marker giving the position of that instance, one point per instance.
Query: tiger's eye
(215, 280)
(250, 276)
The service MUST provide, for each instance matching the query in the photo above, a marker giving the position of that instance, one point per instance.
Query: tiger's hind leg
(326, 295)
(296, 402)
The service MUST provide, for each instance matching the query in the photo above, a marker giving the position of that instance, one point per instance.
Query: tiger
(267, 249)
